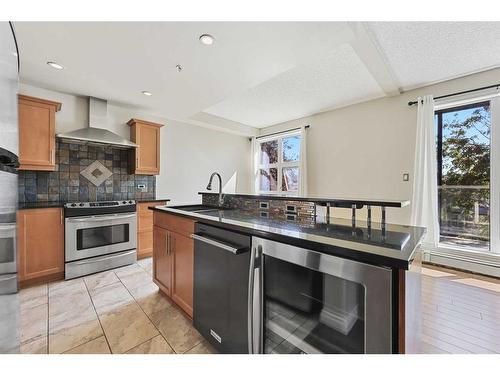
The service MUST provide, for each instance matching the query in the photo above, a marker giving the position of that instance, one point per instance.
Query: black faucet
(209, 187)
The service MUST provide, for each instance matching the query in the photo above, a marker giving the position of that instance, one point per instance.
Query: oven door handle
(104, 258)
(100, 218)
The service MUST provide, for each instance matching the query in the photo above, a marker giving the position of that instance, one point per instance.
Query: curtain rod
(283, 131)
(460, 93)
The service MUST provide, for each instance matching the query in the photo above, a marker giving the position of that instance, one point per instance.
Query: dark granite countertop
(30, 205)
(394, 247)
(143, 200)
(343, 202)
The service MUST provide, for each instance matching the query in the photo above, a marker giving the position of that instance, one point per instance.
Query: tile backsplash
(66, 184)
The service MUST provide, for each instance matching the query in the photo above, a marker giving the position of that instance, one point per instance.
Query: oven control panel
(100, 204)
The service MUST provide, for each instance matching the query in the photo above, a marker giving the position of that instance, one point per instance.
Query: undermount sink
(197, 208)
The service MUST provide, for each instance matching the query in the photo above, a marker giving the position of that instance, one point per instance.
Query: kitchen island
(361, 279)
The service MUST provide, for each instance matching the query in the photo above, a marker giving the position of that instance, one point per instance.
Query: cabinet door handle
(166, 243)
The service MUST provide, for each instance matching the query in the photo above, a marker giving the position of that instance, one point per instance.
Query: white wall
(189, 153)
(362, 151)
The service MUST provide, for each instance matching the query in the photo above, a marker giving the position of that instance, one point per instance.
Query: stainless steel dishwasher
(220, 301)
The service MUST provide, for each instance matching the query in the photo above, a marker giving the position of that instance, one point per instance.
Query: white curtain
(254, 165)
(303, 162)
(424, 201)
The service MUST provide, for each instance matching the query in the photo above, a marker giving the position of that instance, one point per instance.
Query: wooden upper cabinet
(37, 133)
(146, 158)
(40, 240)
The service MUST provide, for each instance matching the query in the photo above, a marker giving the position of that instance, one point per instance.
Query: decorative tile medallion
(66, 184)
(96, 173)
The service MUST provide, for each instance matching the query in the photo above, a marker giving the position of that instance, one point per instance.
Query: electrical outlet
(406, 177)
(142, 188)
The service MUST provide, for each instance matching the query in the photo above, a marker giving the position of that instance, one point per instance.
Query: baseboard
(148, 254)
(474, 261)
(41, 280)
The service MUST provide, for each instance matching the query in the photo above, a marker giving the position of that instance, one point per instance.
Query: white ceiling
(421, 53)
(339, 78)
(256, 74)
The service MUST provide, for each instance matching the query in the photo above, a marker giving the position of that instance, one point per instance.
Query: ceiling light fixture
(207, 39)
(55, 65)
(147, 93)
(178, 67)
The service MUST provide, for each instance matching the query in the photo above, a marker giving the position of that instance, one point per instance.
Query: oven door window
(307, 311)
(88, 238)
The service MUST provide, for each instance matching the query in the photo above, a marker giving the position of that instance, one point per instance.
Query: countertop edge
(373, 258)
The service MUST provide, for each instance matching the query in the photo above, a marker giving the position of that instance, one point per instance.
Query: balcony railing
(465, 215)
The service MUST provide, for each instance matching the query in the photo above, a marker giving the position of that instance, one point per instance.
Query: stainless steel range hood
(95, 132)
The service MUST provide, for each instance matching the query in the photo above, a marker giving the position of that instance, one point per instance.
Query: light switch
(406, 177)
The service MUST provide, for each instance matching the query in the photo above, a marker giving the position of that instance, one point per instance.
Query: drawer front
(174, 223)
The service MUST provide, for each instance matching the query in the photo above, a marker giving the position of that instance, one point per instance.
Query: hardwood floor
(460, 312)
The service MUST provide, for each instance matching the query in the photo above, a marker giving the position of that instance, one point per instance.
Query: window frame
(494, 219)
(280, 164)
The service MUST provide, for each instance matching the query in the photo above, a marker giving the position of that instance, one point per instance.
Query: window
(279, 164)
(464, 175)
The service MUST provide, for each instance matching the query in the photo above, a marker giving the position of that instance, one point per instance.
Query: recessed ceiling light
(147, 93)
(55, 65)
(207, 39)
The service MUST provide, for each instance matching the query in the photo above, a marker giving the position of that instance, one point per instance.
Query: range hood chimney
(96, 133)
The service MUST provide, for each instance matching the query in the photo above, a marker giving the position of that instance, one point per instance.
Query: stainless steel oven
(8, 263)
(303, 301)
(99, 235)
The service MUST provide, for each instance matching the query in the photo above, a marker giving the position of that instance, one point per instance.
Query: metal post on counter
(383, 222)
(353, 207)
(328, 213)
(369, 220)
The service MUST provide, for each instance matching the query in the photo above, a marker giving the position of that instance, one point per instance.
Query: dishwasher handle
(219, 244)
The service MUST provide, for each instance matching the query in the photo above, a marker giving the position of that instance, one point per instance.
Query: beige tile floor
(117, 311)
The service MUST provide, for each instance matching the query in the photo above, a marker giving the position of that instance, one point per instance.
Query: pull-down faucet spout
(209, 187)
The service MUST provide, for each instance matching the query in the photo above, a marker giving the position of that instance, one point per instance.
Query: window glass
(269, 152)
(291, 148)
(268, 179)
(290, 181)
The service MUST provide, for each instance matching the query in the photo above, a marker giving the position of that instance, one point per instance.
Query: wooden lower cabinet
(145, 228)
(40, 245)
(173, 258)
(182, 285)
(162, 260)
